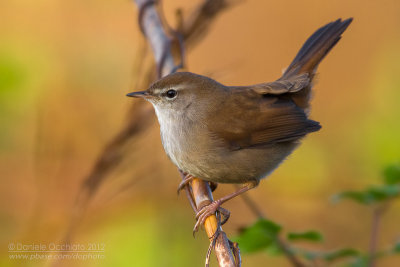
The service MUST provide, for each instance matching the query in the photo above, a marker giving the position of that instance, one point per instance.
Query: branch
(376, 222)
(152, 27)
(202, 197)
(196, 25)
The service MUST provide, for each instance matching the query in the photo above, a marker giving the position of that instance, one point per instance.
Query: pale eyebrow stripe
(179, 87)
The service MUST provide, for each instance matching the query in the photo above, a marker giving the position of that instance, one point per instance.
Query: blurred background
(65, 67)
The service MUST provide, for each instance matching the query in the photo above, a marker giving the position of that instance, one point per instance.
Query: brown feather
(268, 120)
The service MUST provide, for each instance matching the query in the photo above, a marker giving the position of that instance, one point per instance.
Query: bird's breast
(187, 142)
(175, 136)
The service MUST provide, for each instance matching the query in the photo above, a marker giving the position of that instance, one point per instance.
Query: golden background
(65, 67)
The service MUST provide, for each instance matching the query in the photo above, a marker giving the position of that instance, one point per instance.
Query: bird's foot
(209, 210)
(188, 178)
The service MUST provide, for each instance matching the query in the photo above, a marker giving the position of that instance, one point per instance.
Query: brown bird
(238, 134)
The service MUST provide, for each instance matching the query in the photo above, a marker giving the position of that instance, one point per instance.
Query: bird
(238, 134)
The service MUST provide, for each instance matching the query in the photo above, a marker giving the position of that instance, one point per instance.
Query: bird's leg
(188, 178)
(213, 185)
(188, 192)
(211, 208)
(185, 181)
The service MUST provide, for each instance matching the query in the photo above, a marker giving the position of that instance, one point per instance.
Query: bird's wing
(291, 84)
(261, 115)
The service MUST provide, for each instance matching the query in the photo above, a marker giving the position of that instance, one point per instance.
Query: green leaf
(384, 192)
(371, 195)
(340, 254)
(274, 250)
(308, 236)
(261, 235)
(358, 196)
(396, 248)
(392, 174)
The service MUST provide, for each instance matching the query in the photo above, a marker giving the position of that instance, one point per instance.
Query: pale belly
(218, 164)
(242, 165)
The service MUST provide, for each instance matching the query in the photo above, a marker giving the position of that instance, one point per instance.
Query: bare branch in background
(199, 22)
(376, 223)
(151, 25)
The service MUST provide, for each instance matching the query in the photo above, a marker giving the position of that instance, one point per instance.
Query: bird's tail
(312, 53)
(317, 47)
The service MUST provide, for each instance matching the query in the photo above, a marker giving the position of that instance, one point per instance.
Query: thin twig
(251, 204)
(289, 253)
(376, 221)
(196, 25)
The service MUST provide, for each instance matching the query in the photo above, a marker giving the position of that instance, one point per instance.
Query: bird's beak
(140, 94)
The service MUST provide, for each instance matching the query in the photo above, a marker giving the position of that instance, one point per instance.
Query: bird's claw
(188, 178)
(207, 211)
(225, 215)
(184, 182)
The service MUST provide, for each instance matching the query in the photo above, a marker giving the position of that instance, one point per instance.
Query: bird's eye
(171, 93)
